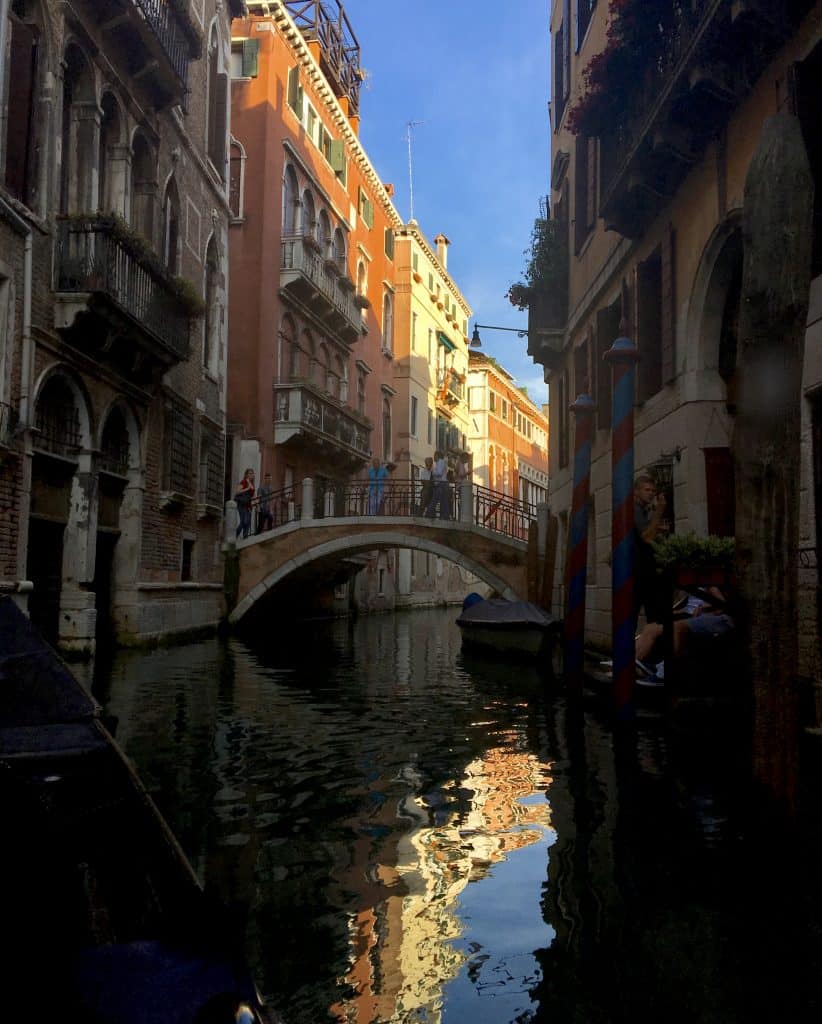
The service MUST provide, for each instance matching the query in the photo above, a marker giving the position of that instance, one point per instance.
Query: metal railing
(91, 257)
(163, 21)
(491, 510)
(338, 44)
(298, 254)
(683, 28)
(304, 404)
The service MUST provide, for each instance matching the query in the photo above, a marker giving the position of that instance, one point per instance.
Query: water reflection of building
(404, 949)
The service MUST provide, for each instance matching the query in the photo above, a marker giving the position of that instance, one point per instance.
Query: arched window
(324, 234)
(387, 324)
(236, 179)
(342, 376)
(211, 319)
(339, 250)
(291, 201)
(290, 361)
(26, 62)
(217, 105)
(362, 279)
(310, 350)
(143, 185)
(111, 165)
(57, 419)
(386, 430)
(114, 453)
(171, 228)
(327, 377)
(361, 391)
(309, 215)
(78, 130)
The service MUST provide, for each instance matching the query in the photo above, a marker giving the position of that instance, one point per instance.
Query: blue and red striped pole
(583, 410)
(623, 356)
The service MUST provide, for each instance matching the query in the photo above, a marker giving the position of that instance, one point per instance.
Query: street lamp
(476, 341)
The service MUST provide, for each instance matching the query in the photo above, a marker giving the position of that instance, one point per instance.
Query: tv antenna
(409, 131)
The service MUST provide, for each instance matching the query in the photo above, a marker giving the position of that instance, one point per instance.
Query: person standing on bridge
(441, 499)
(265, 520)
(377, 475)
(427, 486)
(244, 495)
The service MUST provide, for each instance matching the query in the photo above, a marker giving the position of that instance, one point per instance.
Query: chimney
(442, 244)
(389, 188)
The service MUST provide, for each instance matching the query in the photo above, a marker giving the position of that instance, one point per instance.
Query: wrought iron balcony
(320, 286)
(327, 23)
(305, 415)
(157, 40)
(711, 54)
(97, 268)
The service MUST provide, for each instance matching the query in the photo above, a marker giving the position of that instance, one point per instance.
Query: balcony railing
(711, 53)
(318, 282)
(93, 258)
(327, 23)
(301, 409)
(164, 22)
(450, 386)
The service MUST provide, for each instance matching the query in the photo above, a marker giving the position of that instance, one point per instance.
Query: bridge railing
(321, 499)
(503, 513)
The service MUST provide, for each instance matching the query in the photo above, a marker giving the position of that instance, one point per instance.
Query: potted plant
(362, 301)
(417, 277)
(692, 559)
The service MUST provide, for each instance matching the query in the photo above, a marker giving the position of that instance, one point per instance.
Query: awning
(443, 339)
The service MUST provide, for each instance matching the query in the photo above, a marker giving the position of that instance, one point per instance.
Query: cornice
(412, 230)
(292, 35)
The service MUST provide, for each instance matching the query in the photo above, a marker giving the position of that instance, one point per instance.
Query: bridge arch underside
(498, 561)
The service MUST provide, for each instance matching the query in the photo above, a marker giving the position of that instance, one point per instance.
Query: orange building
(310, 382)
(508, 433)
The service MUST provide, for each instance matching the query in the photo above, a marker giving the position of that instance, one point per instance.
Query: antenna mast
(409, 127)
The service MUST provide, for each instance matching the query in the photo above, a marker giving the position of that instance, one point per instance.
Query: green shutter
(368, 213)
(336, 155)
(389, 243)
(295, 92)
(251, 53)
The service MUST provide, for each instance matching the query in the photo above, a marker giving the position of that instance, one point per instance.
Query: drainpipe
(27, 354)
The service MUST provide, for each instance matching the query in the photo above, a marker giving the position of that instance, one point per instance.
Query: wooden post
(583, 410)
(549, 564)
(532, 563)
(777, 233)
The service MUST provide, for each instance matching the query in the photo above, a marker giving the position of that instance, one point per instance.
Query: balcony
(124, 301)
(320, 286)
(547, 317)
(306, 417)
(711, 54)
(450, 388)
(155, 40)
(327, 24)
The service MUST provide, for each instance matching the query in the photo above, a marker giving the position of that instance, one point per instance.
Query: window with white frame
(387, 323)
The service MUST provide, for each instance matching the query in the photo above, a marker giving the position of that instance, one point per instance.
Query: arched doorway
(719, 330)
(58, 441)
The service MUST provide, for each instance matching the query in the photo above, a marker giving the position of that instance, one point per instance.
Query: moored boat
(106, 920)
(513, 628)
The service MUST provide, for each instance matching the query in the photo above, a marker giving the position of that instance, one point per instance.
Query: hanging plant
(417, 277)
(362, 302)
(637, 35)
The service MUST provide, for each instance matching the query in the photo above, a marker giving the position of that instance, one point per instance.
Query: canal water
(419, 837)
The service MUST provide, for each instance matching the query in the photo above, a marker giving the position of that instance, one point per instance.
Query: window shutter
(295, 92)
(251, 52)
(668, 320)
(580, 192)
(221, 124)
(607, 333)
(368, 213)
(389, 243)
(19, 129)
(336, 155)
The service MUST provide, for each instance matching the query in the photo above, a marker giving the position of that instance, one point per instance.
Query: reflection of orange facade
(509, 438)
(403, 940)
(312, 270)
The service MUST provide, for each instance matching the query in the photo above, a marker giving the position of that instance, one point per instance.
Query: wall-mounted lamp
(476, 341)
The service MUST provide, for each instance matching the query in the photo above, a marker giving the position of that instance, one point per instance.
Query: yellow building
(650, 148)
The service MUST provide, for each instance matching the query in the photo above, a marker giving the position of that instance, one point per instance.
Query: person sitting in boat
(707, 617)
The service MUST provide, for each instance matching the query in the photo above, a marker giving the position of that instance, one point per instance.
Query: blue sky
(476, 74)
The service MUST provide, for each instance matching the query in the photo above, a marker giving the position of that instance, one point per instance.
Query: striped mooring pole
(583, 410)
(623, 356)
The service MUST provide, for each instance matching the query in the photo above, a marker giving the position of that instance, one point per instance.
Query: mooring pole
(777, 236)
(622, 356)
(583, 410)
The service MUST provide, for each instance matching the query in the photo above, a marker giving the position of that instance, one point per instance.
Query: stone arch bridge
(486, 532)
